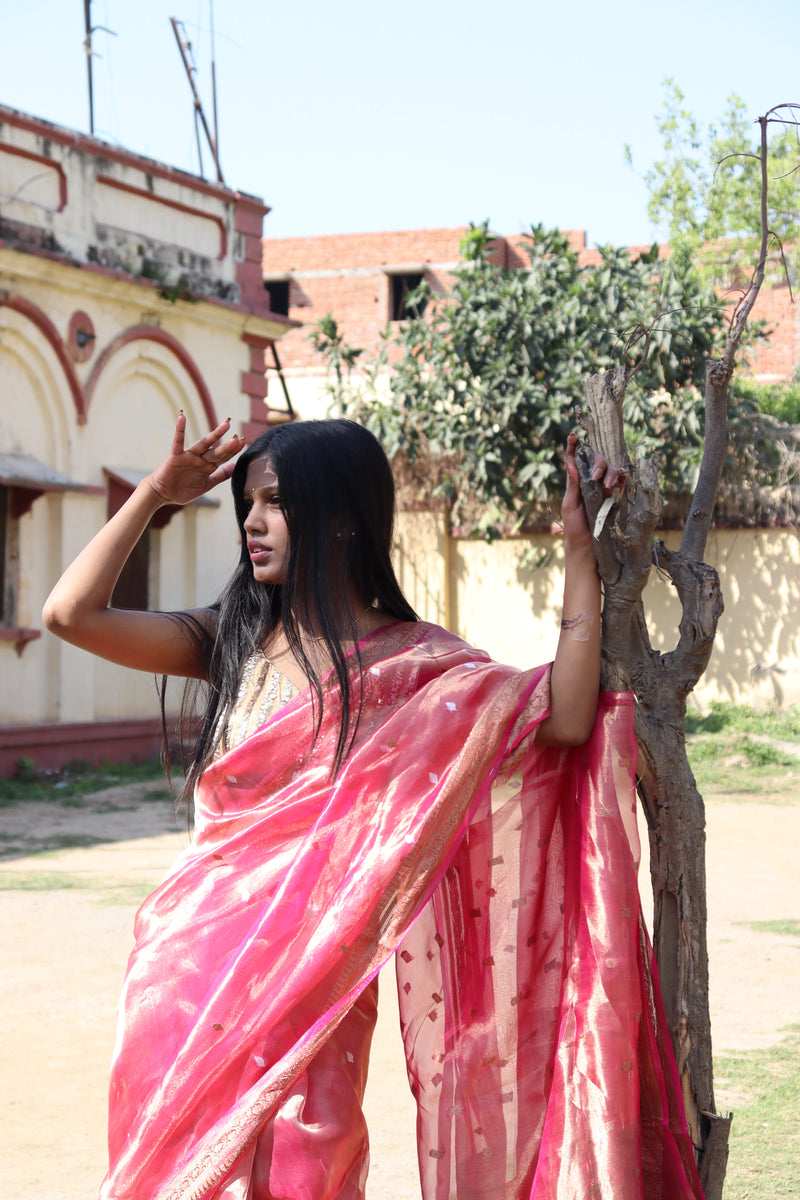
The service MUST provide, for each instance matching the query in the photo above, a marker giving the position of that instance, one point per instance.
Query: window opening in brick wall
(400, 287)
(278, 292)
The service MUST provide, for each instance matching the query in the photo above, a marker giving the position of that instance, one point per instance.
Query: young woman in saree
(368, 784)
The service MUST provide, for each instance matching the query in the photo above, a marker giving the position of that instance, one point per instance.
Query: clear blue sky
(365, 115)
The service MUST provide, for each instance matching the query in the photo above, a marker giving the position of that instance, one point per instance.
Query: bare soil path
(72, 878)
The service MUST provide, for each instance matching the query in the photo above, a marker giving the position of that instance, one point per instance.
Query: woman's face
(265, 524)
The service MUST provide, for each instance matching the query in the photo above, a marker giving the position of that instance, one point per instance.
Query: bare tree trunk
(672, 804)
(673, 807)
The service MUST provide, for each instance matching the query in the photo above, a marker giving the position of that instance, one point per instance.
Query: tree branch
(718, 374)
(697, 585)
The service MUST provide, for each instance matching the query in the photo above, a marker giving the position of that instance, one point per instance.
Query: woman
(365, 783)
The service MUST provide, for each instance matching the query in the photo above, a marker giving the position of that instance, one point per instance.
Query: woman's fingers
(572, 466)
(614, 478)
(212, 450)
(223, 472)
(610, 477)
(230, 448)
(187, 473)
(210, 441)
(180, 429)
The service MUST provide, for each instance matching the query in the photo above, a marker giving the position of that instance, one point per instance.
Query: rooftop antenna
(213, 77)
(90, 54)
(185, 47)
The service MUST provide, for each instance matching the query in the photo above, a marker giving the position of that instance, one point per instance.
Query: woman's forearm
(86, 586)
(77, 609)
(575, 677)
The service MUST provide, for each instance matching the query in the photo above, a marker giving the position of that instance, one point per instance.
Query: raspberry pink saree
(503, 874)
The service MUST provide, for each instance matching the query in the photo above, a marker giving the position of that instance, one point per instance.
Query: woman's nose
(253, 521)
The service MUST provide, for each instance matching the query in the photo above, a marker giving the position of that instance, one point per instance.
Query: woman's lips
(258, 554)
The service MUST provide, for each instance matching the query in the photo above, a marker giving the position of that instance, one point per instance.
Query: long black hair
(337, 494)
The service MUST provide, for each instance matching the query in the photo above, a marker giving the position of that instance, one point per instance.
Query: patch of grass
(730, 766)
(788, 928)
(763, 1089)
(76, 780)
(765, 754)
(732, 749)
(104, 892)
(783, 726)
(40, 881)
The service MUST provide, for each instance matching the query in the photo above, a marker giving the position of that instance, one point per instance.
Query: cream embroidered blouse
(263, 691)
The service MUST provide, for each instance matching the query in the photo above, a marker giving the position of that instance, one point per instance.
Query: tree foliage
(485, 384)
(706, 188)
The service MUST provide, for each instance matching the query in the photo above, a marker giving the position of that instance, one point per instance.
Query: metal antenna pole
(199, 145)
(87, 45)
(90, 54)
(185, 47)
(214, 78)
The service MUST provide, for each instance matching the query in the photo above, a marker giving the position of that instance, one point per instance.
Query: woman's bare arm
(77, 609)
(575, 678)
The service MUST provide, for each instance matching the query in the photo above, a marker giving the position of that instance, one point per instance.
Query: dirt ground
(71, 880)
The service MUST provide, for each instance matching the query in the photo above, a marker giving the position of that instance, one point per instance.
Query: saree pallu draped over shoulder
(503, 873)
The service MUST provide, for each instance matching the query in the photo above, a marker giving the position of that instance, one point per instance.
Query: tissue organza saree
(504, 876)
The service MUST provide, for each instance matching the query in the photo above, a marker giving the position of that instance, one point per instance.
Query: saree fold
(505, 876)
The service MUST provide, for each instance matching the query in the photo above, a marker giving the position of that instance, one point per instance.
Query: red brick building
(363, 278)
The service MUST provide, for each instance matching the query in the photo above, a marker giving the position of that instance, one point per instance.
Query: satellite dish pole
(185, 47)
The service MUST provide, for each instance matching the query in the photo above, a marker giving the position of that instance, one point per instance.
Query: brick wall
(780, 357)
(349, 275)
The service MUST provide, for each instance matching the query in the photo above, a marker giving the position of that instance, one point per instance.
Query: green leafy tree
(484, 385)
(706, 188)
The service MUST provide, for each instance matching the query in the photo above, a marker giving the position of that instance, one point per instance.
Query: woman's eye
(275, 501)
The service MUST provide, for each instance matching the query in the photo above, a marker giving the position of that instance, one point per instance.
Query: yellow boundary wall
(488, 595)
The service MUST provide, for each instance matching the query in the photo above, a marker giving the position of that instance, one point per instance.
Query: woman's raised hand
(187, 473)
(573, 514)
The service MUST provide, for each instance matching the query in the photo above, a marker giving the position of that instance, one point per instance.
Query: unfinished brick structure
(362, 279)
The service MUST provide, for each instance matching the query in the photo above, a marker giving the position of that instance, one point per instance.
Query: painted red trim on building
(252, 430)
(20, 636)
(250, 214)
(259, 411)
(80, 323)
(254, 384)
(89, 145)
(152, 333)
(53, 745)
(48, 162)
(153, 198)
(43, 323)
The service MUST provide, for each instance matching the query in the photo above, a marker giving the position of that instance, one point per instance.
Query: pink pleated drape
(505, 874)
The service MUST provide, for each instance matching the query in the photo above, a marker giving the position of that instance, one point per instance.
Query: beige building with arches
(128, 291)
